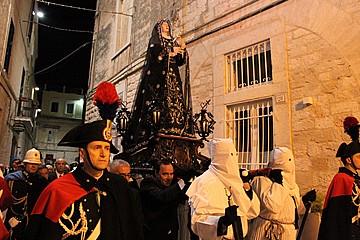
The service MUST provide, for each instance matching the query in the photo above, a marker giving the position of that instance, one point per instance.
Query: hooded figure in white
(279, 202)
(207, 197)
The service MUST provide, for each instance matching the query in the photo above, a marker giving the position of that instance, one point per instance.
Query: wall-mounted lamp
(308, 101)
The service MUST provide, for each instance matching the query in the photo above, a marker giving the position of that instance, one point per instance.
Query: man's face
(99, 154)
(50, 168)
(356, 160)
(166, 174)
(15, 164)
(124, 171)
(44, 172)
(31, 167)
(60, 165)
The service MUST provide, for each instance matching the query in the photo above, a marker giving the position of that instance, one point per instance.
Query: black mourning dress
(160, 87)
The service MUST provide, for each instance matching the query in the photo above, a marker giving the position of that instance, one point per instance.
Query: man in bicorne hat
(340, 218)
(90, 202)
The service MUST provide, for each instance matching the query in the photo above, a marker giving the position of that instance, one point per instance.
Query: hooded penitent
(283, 158)
(224, 165)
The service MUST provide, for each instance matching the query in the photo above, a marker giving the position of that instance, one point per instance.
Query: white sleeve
(271, 194)
(254, 210)
(205, 226)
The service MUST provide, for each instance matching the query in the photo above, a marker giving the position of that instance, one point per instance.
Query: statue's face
(165, 28)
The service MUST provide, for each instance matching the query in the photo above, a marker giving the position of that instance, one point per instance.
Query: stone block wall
(315, 53)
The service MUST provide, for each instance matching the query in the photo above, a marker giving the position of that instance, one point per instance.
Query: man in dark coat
(340, 218)
(60, 165)
(160, 198)
(26, 187)
(89, 203)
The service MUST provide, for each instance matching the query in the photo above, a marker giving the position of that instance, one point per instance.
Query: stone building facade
(311, 47)
(18, 52)
(60, 112)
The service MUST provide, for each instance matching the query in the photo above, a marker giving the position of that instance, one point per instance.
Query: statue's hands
(177, 50)
(181, 42)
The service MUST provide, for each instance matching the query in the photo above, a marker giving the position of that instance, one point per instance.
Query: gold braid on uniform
(356, 200)
(17, 201)
(73, 230)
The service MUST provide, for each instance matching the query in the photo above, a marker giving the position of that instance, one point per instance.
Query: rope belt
(274, 228)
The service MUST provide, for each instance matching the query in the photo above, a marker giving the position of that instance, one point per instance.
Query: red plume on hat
(107, 100)
(350, 122)
(351, 127)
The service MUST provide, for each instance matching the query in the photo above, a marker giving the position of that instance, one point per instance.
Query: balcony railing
(25, 114)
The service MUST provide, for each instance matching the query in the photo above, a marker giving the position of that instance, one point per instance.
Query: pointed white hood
(224, 167)
(283, 158)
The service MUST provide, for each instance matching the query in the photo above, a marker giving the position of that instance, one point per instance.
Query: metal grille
(250, 125)
(247, 67)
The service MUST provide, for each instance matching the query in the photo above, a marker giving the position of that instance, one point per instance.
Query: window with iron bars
(250, 125)
(249, 66)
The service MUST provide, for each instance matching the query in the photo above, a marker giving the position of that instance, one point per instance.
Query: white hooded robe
(277, 202)
(207, 196)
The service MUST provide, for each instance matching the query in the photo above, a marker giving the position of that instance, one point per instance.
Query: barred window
(248, 67)
(250, 125)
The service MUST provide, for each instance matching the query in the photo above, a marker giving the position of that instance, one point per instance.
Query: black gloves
(230, 216)
(245, 176)
(185, 174)
(276, 176)
(310, 196)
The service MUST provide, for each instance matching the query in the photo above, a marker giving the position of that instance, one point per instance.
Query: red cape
(5, 202)
(6, 198)
(58, 196)
(341, 185)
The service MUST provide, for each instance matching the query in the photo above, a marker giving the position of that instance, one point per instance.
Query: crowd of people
(101, 199)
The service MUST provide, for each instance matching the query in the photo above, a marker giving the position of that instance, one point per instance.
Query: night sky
(55, 45)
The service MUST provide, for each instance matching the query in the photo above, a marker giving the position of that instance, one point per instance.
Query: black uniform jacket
(25, 190)
(108, 198)
(340, 207)
(159, 206)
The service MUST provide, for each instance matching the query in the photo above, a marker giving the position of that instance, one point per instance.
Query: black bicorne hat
(352, 149)
(341, 151)
(89, 132)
